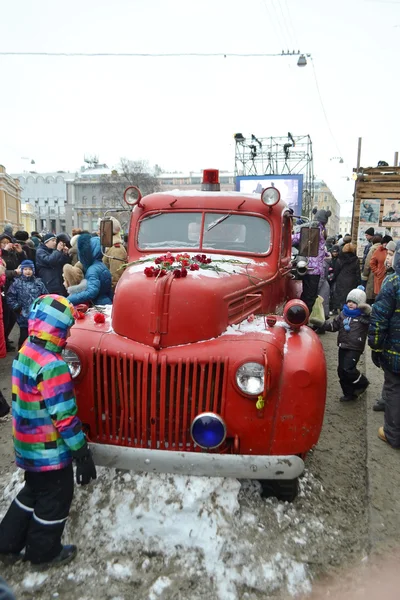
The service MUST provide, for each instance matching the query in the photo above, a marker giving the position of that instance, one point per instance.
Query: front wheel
(283, 489)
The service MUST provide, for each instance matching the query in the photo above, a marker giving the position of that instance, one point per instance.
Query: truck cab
(204, 364)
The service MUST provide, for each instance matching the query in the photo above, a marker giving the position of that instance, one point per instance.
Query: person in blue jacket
(384, 340)
(98, 277)
(51, 256)
(21, 295)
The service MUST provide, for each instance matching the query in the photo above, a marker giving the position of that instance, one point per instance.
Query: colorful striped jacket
(46, 429)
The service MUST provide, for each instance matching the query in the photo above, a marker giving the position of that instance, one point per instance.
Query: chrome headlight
(250, 378)
(73, 361)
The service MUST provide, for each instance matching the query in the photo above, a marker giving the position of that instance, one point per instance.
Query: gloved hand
(85, 467)
(316, 322)
(376, 358)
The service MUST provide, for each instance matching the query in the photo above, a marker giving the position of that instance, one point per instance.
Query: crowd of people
(44, 277)
(363, 299)
(74, 267)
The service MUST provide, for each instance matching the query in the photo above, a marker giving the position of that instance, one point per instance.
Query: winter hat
(370, 231)
(8, 228)
(391, 246)
(386, 239)
(27, 264)
(6, 236)
(64, 237)
(335, 248)
(72, 275)
(321, 215)
(48, 237)
(357, 295)
(22, 236)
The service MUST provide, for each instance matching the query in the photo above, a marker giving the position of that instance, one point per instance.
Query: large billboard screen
(290, 187)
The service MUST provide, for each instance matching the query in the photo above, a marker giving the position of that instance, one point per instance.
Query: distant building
(28, 218)
(345, 225)
(46, 194)
(86, 201)
(192, 181)
(325, 200)
(10, 200)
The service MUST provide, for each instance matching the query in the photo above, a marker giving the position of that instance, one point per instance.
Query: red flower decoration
(183, 272)
(149, 271)
(161, 273)
(99, 318)
(194, 267)
(177, 273)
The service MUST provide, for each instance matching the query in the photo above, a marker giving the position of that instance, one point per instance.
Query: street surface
(346, 513)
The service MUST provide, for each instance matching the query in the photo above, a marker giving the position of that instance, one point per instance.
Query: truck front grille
(150, 403)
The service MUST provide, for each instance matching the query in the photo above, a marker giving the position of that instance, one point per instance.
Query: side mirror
(106, 233)
(309, 241)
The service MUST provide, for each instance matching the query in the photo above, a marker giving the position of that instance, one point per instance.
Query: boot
(10, 558)
(381, 435)
(4, 407)
(67, 554)
(379, 406)
(360, 387)
(348, 398)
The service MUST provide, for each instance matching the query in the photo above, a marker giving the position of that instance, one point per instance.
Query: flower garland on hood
(180, 264)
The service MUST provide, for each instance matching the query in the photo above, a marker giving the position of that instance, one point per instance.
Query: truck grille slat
(151, 402)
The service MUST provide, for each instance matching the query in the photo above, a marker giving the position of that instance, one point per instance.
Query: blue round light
(208, 430)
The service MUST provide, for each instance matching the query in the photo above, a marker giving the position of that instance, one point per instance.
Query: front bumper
(198, 463)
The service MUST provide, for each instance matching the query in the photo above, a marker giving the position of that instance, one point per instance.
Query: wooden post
(354, 229)
(396, 159)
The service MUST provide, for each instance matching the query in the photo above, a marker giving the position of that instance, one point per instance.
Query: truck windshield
(239, 232)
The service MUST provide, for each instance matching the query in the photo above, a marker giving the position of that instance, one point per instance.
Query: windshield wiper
(151, 217)
(218, 221)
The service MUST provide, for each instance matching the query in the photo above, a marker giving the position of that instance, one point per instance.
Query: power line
(152, 54)
(275, 23)
(284, 21)
(323, 107)
(289, 18)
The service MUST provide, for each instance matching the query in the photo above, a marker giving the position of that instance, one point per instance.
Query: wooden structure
(379, 183)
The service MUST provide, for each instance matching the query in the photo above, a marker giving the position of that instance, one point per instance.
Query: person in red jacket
(47, 435)
(377, 263)
(4, 407)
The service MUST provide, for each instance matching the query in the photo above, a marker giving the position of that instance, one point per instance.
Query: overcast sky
(182, 112)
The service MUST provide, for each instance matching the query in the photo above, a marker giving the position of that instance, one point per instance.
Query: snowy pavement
(163, 536)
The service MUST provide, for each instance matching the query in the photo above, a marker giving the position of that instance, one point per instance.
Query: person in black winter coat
(13, 255)
(51, 256)
(346, 274)
(23, 291)
(352, 324)
(27, 245)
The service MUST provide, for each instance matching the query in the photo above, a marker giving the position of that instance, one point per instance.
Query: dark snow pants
(36, 518)
(391, 394)
(310, 290)
(350, 377)
(23, 334)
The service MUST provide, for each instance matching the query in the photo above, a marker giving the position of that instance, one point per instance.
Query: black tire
(283, 489)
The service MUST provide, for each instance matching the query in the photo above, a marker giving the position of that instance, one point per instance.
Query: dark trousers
(310, 290)
(391, 394)
(9, 318)
(36, 518)
(350, 377)
(23, 334)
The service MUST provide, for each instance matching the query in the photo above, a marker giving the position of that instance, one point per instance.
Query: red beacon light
(210, 181)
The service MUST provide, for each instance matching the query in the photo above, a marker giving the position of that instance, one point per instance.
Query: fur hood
(89, 250)
(80, 287)
(74, 240)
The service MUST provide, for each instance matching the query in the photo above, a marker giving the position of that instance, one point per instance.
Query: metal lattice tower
(291, 155)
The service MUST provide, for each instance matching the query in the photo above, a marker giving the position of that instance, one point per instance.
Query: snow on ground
(177, 537)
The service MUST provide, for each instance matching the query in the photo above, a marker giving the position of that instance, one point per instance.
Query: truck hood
(167, 311)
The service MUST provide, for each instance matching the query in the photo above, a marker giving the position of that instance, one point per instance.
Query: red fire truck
(203, 365)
